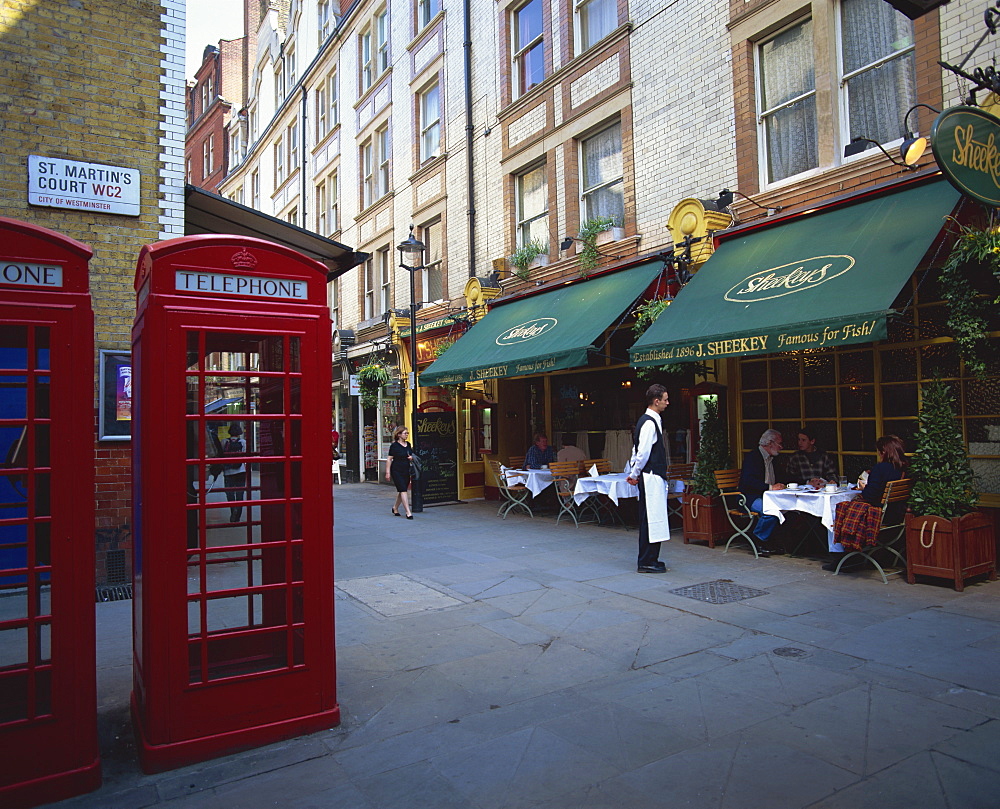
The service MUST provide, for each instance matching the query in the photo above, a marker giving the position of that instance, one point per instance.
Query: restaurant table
(537, 480)
(820, 504)
(614, 485)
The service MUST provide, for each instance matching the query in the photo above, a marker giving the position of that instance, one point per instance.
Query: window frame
(519, 50)
(279, 161)
(523, 223)
(429, 233)
(761, 114)
(578, 19)
(324, 19)
(385, 270)
(368, 289)
(586, 192)
(843, 78)
(292, 145)
(426, 126)
(427, 10)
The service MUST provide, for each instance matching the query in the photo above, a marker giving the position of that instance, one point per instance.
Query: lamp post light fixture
(411, 259)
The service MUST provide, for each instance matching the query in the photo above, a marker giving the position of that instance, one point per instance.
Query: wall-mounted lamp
(567, 243)
(726, 199)
(914, 147)
(857, 146)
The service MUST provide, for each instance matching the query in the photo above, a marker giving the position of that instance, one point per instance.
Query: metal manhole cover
(721, 591)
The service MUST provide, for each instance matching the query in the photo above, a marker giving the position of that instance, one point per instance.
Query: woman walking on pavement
(397, 469)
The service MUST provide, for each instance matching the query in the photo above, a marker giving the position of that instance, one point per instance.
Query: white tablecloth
(537, 480)
(613, 485)
(819, 504)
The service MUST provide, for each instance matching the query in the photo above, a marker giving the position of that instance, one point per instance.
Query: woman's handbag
(415, 468)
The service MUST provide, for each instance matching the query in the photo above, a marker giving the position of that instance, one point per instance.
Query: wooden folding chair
(516, 462)
(513, 496)
(564, 475)
(896, 491)
(738, 512)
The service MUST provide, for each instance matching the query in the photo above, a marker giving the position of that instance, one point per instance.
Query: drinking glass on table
(843, 481)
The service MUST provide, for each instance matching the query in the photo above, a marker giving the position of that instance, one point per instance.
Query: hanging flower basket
(371, 378)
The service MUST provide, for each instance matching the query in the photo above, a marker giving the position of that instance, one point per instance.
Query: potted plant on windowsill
(531, 254)
(703, 516)
(593, 233)
(371, 378)
(946, 537)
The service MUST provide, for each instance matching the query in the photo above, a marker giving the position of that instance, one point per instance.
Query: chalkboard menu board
(438, 451)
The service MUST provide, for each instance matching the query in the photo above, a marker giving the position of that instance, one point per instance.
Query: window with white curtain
(595, 19)
(255, 190)
(431, 278)
(877, 69)
(533, 207)
(602, 181)
(528, 46)
(786, 102)
(430, 122)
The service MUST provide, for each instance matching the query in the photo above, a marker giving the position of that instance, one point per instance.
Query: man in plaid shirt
(808, 464)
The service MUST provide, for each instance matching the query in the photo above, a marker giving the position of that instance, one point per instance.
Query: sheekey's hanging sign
(966, 143)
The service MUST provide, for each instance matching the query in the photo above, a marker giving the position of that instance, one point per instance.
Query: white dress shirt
(647, 437)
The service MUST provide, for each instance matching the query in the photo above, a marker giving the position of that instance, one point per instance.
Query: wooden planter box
(704, 520)
(950, 549)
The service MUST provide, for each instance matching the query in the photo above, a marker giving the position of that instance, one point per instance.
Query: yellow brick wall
(80, 80)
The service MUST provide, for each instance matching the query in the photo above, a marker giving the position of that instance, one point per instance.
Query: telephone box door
(48, 703)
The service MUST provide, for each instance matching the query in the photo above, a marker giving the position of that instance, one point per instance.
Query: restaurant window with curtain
(532, 206)
(786, 102)
(601, 174)
(877, 69)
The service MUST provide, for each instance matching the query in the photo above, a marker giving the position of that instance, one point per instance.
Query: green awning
(826, 279)
(546, 332)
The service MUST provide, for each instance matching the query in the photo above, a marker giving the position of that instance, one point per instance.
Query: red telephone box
(233, 512)
(48, 694)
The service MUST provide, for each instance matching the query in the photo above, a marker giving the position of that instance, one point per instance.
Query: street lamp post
(411, 259)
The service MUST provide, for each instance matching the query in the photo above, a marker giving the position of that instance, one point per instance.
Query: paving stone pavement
(514, 664)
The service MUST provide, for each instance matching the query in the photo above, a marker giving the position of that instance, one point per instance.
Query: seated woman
(857, 521)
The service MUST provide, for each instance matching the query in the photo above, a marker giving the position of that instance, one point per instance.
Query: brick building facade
(74, 86)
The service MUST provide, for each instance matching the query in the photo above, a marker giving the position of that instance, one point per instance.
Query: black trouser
(234, 481)
(649, 552)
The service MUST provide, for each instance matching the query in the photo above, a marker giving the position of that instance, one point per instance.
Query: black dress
(399, 469)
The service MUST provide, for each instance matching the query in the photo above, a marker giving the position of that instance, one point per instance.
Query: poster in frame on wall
(115, 415)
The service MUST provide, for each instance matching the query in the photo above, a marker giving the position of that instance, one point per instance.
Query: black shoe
(396, 513)
(766, 552)
(409, 516)
(656, 567)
